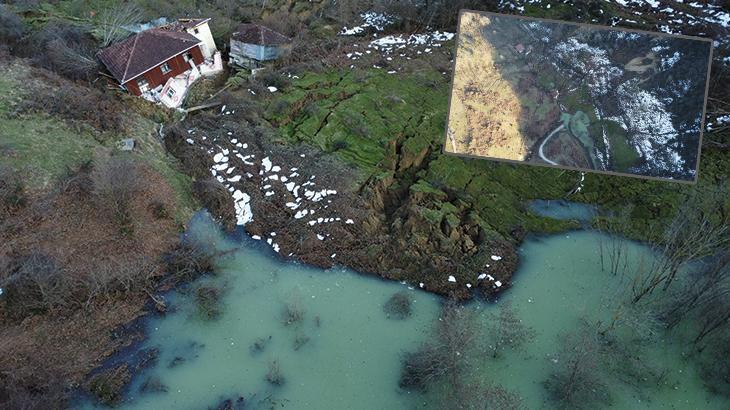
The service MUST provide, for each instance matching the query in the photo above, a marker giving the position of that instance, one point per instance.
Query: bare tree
(694, 232)
(74, 60)
(446, 356)
(709, 284)
(576, 380)
(506, 330)
(112, 22)
(449, 361)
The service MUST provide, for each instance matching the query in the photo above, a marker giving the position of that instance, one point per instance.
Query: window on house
(166, 68)
(170, 93)
(188, 57)
(143, 85)
(196, 31)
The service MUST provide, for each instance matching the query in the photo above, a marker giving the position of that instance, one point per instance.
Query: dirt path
(540, 153)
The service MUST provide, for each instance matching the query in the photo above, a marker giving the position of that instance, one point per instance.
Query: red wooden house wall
(155, 77)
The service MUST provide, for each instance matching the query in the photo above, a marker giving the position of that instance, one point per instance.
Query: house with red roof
(161, 63)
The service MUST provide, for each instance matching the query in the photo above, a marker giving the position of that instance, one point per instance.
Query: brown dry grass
(55, 350)
(485, 111)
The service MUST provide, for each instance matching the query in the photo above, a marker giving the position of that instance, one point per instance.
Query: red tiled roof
(259, 35)
(140, 53)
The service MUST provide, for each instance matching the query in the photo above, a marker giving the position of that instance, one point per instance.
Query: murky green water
(352, 357)
(562, 209)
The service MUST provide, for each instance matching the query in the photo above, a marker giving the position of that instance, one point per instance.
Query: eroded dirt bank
(312, 207)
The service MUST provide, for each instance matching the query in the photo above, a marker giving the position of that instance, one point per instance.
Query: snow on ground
(305, 195)
(591, 60)
(721, 121)
(677, 19)
(652, 130)
(404, 46)
(370, 20)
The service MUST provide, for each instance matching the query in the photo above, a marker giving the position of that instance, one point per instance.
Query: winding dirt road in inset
(540, 153)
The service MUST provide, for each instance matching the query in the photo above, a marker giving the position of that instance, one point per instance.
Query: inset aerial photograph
(578, 96)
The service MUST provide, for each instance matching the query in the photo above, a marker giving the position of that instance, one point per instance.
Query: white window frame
(143, 85)
(165, 68)
(171, 92)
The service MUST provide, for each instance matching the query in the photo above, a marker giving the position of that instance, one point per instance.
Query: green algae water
(340, 351)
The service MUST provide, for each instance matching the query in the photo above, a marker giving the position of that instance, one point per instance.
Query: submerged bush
(577, 380)
(274, 375)
(716, 373)
(421, 368)
(300, 340)
(259, 344)
(398, 306)
(207, 300)
(293, 313)
(107, 386)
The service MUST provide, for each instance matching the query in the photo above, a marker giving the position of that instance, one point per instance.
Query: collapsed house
(160, 64)
(254, 44)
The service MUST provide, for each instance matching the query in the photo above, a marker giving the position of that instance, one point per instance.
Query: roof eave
(125, 81)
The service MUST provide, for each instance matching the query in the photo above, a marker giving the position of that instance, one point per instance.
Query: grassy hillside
(46, 148)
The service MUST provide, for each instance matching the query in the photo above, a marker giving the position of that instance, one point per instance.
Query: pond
(562, 209)
(336, 348)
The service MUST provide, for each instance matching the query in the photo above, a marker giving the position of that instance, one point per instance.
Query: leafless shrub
(187, 262)
(12, 196)
(11, 27)
(112, 21)
(30, 391)
(119, 274)
(36, 284)
(116, 182)
(80, 105)
(284, 21)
